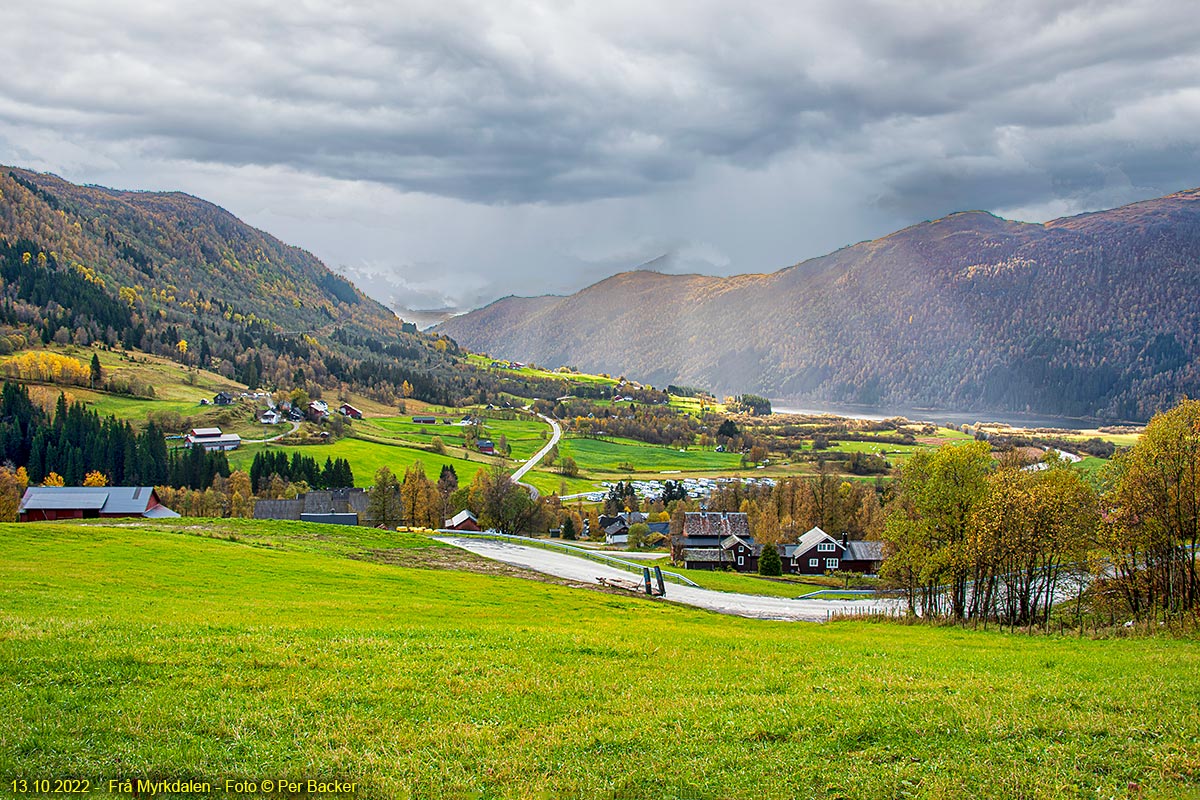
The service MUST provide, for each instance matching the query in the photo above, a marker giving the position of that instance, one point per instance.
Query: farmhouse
(463, 521)
(318, 410)
(486, 446)
(222, 398)
(270, 417)
(212, 439)
(350, 411)
(818, 552)
(45, 503)
(715, 541)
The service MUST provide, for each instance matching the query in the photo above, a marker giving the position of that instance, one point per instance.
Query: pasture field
(533, 372)
(608, 456)
(525, 435)
(216, 650)
(366, 458)
(691, 405)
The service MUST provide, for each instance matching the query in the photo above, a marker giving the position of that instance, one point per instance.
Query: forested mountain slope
(1092, 315)
(150, 270)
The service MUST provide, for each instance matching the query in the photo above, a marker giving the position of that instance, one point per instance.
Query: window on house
(831, 563)
(741, 559)
(814, 562)
(826, 547)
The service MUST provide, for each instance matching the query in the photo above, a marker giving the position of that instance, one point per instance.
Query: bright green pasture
(602, 455)
(366, 458)
(575, 377)
(138, 651)
(525, 435)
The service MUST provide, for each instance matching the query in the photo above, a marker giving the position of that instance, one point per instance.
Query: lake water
(952, 418)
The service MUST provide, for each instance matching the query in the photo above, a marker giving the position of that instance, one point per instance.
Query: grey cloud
(539, 146)
(567, 103)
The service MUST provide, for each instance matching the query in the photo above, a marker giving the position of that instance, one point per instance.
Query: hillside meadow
(232, 649)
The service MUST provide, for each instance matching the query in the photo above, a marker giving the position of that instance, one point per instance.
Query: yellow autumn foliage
(47, 367)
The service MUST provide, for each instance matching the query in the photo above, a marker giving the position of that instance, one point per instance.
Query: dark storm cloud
(567, 103)
(735, 137)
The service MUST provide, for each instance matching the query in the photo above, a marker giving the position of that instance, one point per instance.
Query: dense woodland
(73, 441)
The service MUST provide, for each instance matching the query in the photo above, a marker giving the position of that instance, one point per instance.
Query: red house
(48, 503)
(350, 411)
(463, 521)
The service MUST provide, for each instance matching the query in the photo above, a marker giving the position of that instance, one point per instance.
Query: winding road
(742, 605)
(538, 456)
(295, 427)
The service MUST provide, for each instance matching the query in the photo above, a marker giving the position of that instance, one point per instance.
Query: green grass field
(608, 456)
(366, 458)
(532, 372)
(525, 435)
(159, 652)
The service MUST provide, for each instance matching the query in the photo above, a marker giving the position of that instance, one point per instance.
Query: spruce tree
(769, 562)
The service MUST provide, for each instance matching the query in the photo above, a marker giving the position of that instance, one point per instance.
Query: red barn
(46, 503)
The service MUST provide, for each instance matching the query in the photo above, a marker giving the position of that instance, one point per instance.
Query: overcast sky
(444, 154)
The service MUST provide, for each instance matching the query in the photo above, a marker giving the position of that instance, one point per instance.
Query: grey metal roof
(39, 499)
(278, 509)
(205, 432)
(160, 512)
(863, 551)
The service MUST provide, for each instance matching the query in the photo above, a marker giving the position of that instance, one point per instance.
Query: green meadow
(216, 650)
(611, 455)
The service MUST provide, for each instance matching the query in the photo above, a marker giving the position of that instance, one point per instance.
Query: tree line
(968, 537)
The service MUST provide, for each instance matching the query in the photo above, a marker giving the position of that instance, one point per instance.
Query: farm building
(818, 552)
(45, 503)
(334, 506)
(463, 521)
(350, 411)
(270, 417)
(425, 420)
(318, 410)
(486, 446)
(222, 399)
(715, 541)
(212, 439)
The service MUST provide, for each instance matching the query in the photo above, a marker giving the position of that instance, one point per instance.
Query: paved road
(538, 456)
(742, 605)
(295, 427)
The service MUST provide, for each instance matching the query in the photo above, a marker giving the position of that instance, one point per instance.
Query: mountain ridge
(1091, 315)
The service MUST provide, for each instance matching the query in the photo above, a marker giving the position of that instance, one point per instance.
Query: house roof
(701, 523)
(814, 537)
(204, 432)
(864, 551)
(460, 518)
(732, 541)
(706, 554)
(105, 499)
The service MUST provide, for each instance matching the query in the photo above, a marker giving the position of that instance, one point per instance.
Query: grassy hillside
(160, 651)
